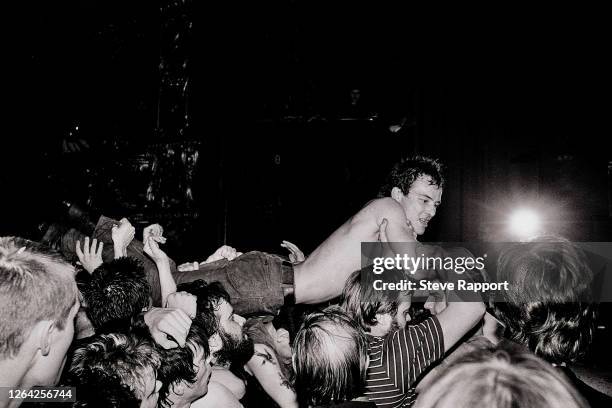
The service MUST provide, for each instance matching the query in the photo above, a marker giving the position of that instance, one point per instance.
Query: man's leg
(254, 280)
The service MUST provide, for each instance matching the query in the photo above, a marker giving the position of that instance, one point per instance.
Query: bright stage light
(524, 224)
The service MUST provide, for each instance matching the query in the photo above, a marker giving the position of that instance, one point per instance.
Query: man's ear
(397, 194)
(215, 343)
(43, 332)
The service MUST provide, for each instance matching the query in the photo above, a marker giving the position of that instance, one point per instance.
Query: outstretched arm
(461, 314)
(152, 235)
(265, 367)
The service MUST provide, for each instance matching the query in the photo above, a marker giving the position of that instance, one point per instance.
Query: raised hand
(151, 248)
(169, 327)
(188, 266)
(295, 254)
(90, 257)
(122, 235)
(184, 301)
(224, 252)
(154, 231)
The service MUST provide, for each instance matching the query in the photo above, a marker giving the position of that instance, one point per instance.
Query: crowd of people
(112, 316)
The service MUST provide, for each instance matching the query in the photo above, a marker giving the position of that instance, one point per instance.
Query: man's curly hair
(407, 171)
(209, 297)
(97, 388)
(116, 294)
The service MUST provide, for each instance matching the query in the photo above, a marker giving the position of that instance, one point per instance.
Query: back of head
(134, 360)
(36, 284)
(501, 379)
(330, 358)
(209, 296)
(547, 305)
(116, 293)
(406, 171)
(98, 389)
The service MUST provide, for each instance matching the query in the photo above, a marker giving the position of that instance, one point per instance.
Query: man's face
(403, 316)
(436, 302)
(420, 203)
(236, 346)
(203, 369)
(387, 323)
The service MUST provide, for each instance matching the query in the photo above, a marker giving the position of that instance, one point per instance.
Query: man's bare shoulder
(380, 208)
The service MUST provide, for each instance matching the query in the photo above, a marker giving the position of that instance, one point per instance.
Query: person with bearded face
(228, 343)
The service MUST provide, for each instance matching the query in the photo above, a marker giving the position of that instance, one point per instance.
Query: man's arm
(166, 281)
(465, 309)
(457, 319)
(265, 367)
(461, 314)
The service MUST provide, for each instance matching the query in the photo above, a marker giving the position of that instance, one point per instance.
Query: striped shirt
(398, 359)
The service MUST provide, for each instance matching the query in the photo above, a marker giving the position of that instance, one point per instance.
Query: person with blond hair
(38, 303)
(501, 378)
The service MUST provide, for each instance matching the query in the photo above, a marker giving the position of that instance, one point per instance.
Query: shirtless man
(260, 282)
(408, 200)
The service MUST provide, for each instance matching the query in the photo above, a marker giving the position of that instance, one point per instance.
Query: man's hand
(224, 252)
(295, 254)
(122, 235)
(184, 301)
(90, 257)
(414, 234)
(151, 248)
(169, 327)
(382, 231)
(154, 231)
(188, 266)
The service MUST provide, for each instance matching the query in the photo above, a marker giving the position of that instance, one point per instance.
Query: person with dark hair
(548, 306)
(117, 291)
(185, 372)
(115, 295)
(38, 303)
(400, 354)
(133, 359)
(99, 389)
(501, 378)
(330, 358)
(228, 343)
(377, 312)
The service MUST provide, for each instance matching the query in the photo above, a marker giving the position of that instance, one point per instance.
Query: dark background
(514, 101)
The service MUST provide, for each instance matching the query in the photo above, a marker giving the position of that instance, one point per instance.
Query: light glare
(524, 223)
